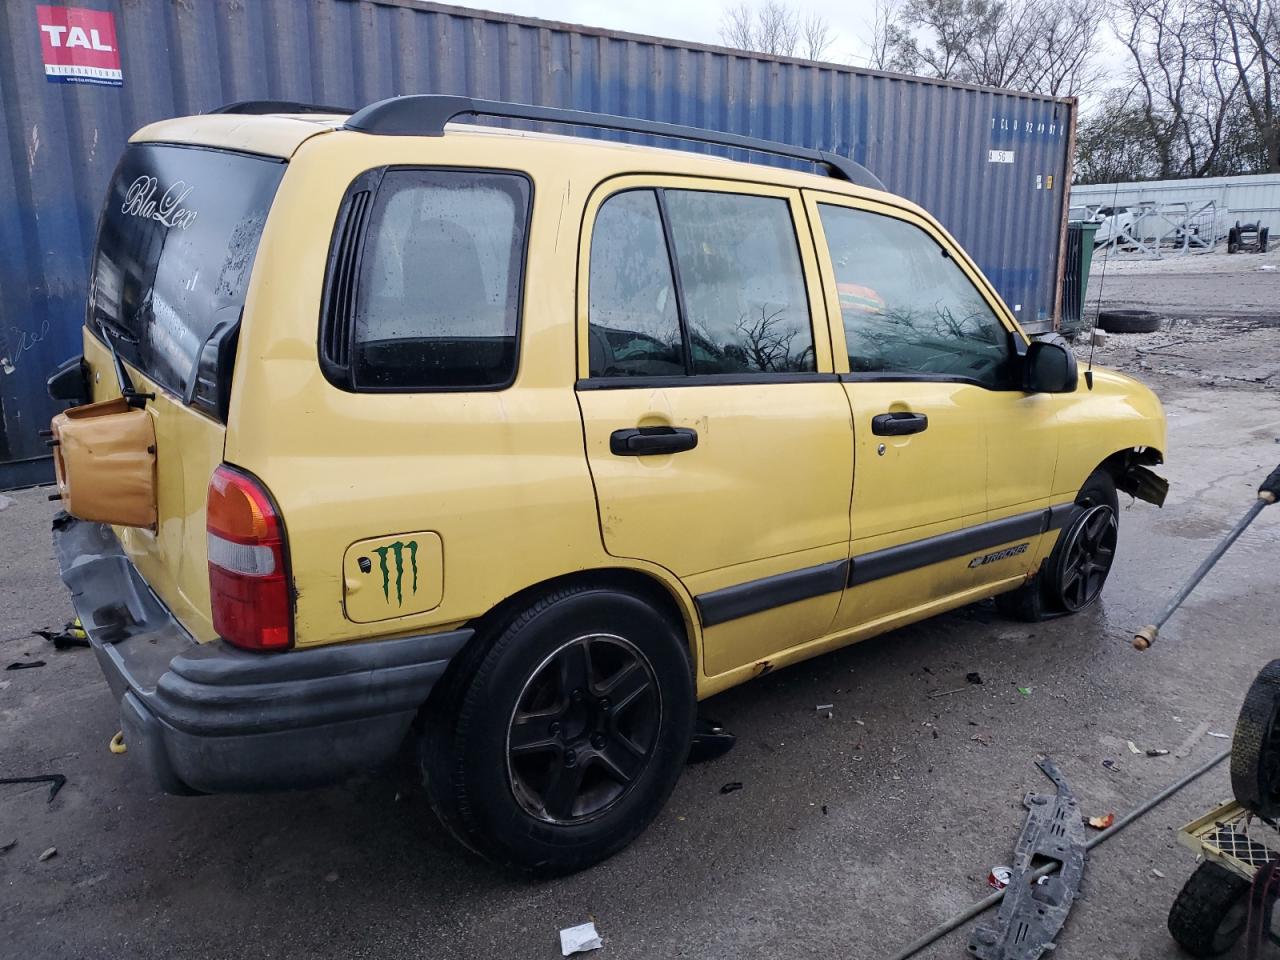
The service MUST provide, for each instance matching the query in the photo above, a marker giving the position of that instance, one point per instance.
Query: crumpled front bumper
(209, 718)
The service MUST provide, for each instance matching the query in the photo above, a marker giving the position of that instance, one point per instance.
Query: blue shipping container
(77, 78)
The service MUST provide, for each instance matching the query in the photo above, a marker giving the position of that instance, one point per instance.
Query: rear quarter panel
(500, 476)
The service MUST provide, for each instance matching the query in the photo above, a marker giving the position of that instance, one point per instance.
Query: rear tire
(1255, 748)
(1210, 912)
(1056, 589)
(554, 746)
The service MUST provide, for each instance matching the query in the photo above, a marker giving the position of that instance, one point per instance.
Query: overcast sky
(695, 21)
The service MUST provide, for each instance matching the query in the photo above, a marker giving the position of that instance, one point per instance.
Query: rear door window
(176, 245)
(438, 301)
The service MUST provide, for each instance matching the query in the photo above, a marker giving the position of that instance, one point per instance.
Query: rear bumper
(208, 718)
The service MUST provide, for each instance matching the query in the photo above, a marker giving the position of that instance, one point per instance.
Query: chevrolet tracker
(395, 435)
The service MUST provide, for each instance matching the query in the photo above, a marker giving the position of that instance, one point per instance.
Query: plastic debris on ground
(72, 635)
(25, 664)
(579, 939)
(999, 876)
(1025, 691)
(1158, 873)
(1157, 752)
(51, 852)
(731, 787)
(1133, 747)
(1101, 823)
(975, 677)
(1110, 764)
(6, 847)
(1220, 736)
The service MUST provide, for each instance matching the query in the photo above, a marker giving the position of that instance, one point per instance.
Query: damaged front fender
(1137, 479)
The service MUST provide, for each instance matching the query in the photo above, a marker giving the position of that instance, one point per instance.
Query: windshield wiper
(127, 389)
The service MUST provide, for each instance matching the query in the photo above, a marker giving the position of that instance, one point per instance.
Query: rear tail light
(248, 564)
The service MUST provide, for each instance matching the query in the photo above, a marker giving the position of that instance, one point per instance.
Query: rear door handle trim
(651, 441)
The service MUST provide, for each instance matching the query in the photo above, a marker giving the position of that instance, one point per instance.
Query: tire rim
(1087, 555)
(583, 729)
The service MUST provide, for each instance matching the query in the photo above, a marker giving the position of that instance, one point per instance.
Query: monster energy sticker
(397, 551)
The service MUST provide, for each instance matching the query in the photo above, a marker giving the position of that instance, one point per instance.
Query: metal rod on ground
(985, 904)
(1267, 494)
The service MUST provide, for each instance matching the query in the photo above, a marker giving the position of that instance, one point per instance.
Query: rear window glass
(439, 296)
(176, 245)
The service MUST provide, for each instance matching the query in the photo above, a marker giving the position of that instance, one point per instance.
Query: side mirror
(1049, 367)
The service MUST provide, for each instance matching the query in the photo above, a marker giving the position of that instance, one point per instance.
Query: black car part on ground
(1268, 493)
(1248, 238)
(985, 904)
(1033, 911)
(56, 782)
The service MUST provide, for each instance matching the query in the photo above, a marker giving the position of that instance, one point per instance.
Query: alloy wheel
(583, 729)
(1087, 555)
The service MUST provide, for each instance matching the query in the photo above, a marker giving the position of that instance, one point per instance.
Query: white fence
(1234, 198)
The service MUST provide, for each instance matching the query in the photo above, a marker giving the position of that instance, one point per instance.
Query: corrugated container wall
(990, 164)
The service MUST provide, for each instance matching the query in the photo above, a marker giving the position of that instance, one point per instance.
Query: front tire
(554, 746)
(1073, 576)
(1255, 748)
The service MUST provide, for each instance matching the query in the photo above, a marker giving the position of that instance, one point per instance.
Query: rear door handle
(898, 424)
(651, 441)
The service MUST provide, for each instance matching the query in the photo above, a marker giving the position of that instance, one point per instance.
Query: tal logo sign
(79, 45)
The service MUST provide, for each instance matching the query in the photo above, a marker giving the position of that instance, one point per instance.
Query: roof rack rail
(425, 115)
(259, 107)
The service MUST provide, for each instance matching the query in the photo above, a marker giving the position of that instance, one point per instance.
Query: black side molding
(756, 596)
(958, 543)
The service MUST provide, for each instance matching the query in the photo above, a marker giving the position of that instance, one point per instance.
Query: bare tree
(816, 37)
(777, 29)
(1250, 48)
(1045, 46)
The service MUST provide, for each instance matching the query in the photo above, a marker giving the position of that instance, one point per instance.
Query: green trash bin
(1075, 278)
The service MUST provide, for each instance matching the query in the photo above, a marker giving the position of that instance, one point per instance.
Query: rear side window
(634, 328)
(176, 245)
(908, 308)
(437, 302)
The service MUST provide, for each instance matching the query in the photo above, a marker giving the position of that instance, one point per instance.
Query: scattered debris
(1193, 738)
(1157, 752)
(1133, 747)
(710, 741)
(731, 787)
(1220, 736)
(117, 744)
(1177, 719)
(51, 852)
(859, 723)
(331, 876)
(25, 664)
(5, 502)
(824, 809)
(1158, 873)
(999, 876)
(975, 677)
(72, 635)
(946, 693)
(55, 781)
(579, 939)
(1099, 338)
(824, 706)
(1261, 267)
(1101, 823)
(985, 741)
(1025, 691)
(1111, 765)
(6, 847)
(1030, 916)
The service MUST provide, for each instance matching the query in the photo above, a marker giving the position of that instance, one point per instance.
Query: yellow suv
(511, 447)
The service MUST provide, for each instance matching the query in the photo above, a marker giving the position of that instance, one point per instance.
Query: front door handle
(898, 424)
(651, 441)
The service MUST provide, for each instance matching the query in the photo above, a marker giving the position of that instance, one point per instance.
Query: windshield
(175, 248)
